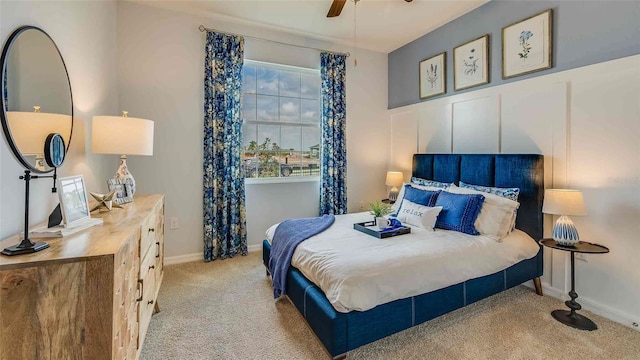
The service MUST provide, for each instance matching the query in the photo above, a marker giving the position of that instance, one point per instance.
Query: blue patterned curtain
(333, 125)
(225, 233)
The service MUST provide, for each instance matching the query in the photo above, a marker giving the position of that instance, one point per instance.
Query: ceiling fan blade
(336, 8)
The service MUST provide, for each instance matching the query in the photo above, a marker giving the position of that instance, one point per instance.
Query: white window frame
(282, 179)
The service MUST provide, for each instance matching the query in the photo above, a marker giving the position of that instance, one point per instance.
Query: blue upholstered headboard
(500, 170)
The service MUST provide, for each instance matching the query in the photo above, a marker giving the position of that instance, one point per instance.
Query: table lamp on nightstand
(564, 202)
(394, 179)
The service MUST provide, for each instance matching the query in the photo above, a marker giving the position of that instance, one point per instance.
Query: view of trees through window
(281, 111)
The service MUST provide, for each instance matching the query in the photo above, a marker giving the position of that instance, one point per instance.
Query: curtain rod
(203, 29)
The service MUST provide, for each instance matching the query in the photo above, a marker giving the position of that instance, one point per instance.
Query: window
(281, 111)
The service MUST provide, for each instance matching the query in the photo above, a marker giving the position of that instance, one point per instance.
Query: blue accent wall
(584, 33)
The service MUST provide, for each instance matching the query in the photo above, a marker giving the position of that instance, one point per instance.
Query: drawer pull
(151, 230)
(152, 267)
(149, 302)
(158, 249)
(141, 282)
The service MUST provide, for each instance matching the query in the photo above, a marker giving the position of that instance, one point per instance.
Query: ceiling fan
(337, 5)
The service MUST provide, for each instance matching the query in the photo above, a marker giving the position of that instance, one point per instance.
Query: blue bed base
(342, 332)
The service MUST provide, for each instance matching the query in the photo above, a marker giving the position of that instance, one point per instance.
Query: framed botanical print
(433, 76)
(471, 63)
(527, 45)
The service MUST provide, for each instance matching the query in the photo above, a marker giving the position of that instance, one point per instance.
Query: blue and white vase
(565, 233)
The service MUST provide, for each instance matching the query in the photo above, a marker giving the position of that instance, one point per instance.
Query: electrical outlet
(174, 223)
(582, 257)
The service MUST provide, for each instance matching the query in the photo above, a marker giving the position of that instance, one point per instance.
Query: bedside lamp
(564, 202)
(124, 136)
(394, 179)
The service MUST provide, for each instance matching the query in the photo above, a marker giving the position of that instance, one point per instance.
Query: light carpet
(225, 310)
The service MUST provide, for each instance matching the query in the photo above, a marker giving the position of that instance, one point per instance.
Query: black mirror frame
(3, 114)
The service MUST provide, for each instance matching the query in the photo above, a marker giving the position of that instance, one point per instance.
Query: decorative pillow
(459, 212)
(509, 193)
(396, 205)
(432, 183)
(418, 215)
(419, 196)
(496, 215)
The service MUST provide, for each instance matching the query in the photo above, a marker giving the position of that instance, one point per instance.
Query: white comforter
(357, 271)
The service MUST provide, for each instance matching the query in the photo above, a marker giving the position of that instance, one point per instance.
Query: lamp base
(123, 173)
(393, 194)
(565, 233)
(25, 247)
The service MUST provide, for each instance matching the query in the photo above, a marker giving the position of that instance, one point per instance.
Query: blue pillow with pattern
(509, 193)
(432, 183)
(459, 212)
(419, 196)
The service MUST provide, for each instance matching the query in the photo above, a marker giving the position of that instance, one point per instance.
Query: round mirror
(36, 99)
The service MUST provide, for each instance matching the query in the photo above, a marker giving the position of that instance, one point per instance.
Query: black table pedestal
(574, 320)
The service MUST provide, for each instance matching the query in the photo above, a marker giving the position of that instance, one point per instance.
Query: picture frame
(74, 203)
(527, 45)
(471, 63)
(122, 187)
(433, 76)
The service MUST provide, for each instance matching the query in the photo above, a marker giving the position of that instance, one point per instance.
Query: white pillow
(496, 215)
(418, 215)
(396, 205)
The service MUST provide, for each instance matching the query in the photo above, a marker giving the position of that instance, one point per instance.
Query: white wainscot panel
(434, 127)
(534, 121)
(476, 126)
(404, 141)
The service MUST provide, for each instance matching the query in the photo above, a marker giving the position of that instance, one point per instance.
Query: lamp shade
(30, 129)
(394, 178)
(121, 135)
(563, 202)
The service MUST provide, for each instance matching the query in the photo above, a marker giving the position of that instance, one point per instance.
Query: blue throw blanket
(286, 238)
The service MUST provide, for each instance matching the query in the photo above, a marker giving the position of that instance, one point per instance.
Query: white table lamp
(394, 179)
(30, 130)
(564, 202)
(124, 136)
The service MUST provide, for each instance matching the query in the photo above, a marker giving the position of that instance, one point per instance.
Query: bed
(340, 332)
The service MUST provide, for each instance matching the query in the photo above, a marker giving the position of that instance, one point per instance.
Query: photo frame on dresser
(433, 76)
(471, 63)
(123, 190)
(527, 45)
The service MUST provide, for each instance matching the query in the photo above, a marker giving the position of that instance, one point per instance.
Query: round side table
(570, 317)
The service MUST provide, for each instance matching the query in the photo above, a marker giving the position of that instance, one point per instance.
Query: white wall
(586, 122)
(160, 77)
(85, 33)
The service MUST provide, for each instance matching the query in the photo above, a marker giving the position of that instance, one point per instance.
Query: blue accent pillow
(432, 183)
(459, 212)
(419, 196)
(509, 193)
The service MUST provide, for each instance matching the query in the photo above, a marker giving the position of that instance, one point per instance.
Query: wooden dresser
(90, 295)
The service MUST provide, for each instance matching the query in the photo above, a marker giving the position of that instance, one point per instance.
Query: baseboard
(180, 259)
(593, 306)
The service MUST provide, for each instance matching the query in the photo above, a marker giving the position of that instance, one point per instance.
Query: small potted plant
(379, 210)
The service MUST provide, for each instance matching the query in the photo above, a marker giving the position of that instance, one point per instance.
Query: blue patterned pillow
(459, 212)
(432, 183)
(419, 196)
(509, 193)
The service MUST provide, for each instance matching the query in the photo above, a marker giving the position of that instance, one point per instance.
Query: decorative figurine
(105, 200)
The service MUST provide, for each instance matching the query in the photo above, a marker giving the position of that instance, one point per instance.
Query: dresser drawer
(145, 307)
(147, 234)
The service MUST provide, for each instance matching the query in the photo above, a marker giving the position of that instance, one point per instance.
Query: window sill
(281, 180)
